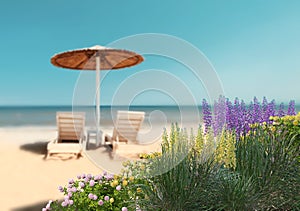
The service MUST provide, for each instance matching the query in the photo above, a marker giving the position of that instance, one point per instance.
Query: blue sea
(11, 116)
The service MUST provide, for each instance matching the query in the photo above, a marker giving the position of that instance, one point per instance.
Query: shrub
(101, 192)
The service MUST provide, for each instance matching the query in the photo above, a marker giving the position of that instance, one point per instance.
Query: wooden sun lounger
(127, 126)
(70, 134)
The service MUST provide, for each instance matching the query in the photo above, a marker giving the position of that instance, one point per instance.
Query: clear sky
(253, 45)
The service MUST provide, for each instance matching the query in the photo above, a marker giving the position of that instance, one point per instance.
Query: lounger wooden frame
(127, 126)
(70, 134)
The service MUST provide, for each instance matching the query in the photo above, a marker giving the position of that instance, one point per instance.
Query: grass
(266, 175)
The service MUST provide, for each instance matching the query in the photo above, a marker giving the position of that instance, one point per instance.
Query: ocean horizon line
(104, 106)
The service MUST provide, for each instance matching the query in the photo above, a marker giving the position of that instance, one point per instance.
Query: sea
(15, 116)
(18, 116)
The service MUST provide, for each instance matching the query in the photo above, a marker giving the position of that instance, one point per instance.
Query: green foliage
(179, 174)
(260, 171)
(290, 124)
(270, 159)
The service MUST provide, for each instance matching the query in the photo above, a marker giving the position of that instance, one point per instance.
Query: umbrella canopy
(85, 59)
(96, 58)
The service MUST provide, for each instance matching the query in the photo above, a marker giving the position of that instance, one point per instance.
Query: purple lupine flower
(256, 114)
(291, 108)
(207, 115)
(250, 109)
(78, 176)
(229, 115)
(106, 198)
(124, 209)
(89, 176)
(264, 103)
(74, 189)
(219, 115)
(271, 110)
(264, 110)
(246, 119)
(71, 181)
(280, 111)
(215, 120)
(100, 202)
(236, 113)
(86, 180)
(81, 184)
(222, 102)
(238, 116)
(92, 183)
(118, 188)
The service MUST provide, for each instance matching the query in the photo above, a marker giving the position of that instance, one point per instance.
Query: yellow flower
(114, 183)
(273, 129)
(111, 200)
(124, 183)
(131, 178)
(295, 122)
(139, 190)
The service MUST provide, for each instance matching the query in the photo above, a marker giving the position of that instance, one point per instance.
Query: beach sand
(28, 180)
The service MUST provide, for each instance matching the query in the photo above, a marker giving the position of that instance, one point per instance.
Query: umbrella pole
(98, 98)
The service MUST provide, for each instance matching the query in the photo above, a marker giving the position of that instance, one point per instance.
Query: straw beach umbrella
(96, 58)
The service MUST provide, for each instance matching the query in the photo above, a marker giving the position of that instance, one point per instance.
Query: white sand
(28, 181)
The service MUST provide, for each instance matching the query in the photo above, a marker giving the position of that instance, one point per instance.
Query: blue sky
(253, 45)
